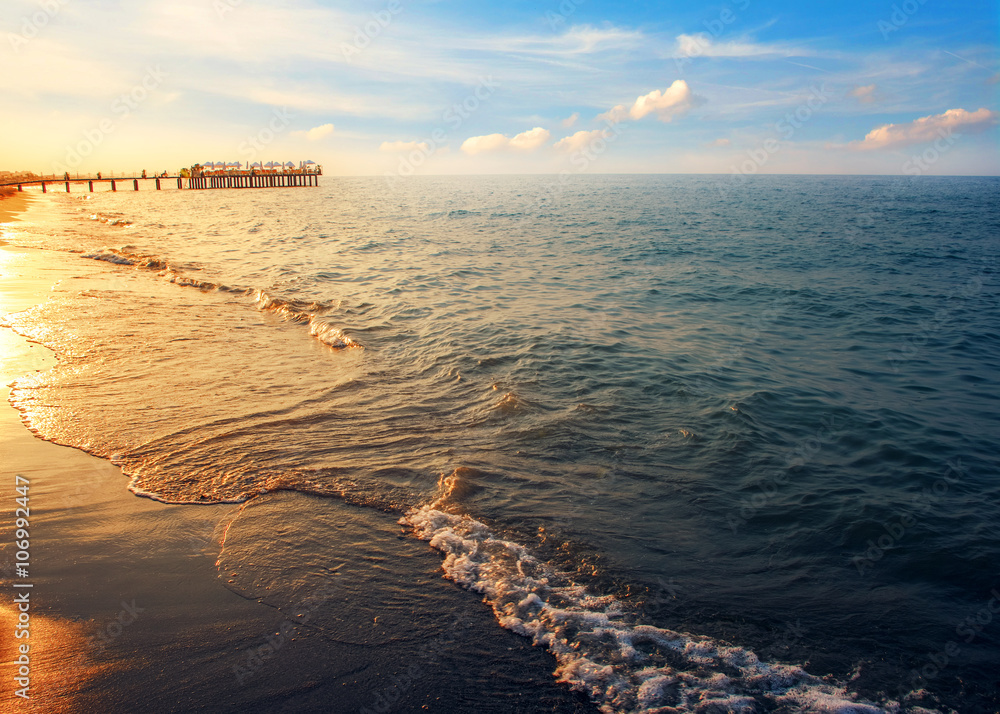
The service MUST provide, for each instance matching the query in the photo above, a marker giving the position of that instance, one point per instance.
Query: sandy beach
(12, 202)
(113, 576)
(128, 612)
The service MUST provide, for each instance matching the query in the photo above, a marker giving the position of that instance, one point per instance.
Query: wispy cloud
(58, 69)
(927, 128)
(865, 95)
(702, 44)
(577, 40)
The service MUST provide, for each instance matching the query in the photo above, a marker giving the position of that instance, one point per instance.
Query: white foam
(623, 666)
(111, 221)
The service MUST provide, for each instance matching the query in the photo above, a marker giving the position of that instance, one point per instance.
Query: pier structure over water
(196, 177)
(247, 179)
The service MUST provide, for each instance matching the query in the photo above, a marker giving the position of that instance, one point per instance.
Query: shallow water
(761, 413)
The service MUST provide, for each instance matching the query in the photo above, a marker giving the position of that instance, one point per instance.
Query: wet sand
(12, 202)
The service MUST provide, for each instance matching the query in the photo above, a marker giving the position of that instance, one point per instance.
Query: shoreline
(136, 606)
(94, 574)
(11, 204)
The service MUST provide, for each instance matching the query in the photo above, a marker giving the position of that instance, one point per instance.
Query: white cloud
(531, 139)
(571, 120)
(702, 45)
(927, 128)
(720, 142)
(581, 140)
(316, 133)
(480, 144)
(403, 146)
(525, 141)
(865, 95)
(676, 100)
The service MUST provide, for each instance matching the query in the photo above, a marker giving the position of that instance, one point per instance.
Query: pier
(247, 179)
(196, 177)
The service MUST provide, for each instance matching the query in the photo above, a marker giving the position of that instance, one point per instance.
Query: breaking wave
(306, 313)
(298, 311)
(600, 647)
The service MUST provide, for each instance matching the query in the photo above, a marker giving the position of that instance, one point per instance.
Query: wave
(600, 647)
(331, 336)
(307, 313)
(121, 257)
(111, 220)
(289, 310)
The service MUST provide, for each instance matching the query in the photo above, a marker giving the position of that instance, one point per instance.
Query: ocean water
(713, 443)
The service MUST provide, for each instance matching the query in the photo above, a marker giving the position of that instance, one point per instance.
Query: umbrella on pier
(309, 163)
(290, 165)
(234, 165)
(256, 165)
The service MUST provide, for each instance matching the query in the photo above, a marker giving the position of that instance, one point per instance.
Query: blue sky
(403, 87)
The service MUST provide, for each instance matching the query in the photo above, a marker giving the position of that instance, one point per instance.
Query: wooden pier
(194, 180)
(246, 179)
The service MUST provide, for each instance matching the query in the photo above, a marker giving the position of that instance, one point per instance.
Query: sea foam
(623, 665)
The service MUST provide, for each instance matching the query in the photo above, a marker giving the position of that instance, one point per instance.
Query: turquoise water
(658, 423)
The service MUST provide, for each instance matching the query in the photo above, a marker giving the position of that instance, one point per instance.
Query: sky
(409, 87)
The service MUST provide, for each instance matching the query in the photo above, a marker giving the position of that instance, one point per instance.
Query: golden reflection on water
(60, 665)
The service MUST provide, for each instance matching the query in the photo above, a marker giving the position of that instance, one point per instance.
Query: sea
(703, 443)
